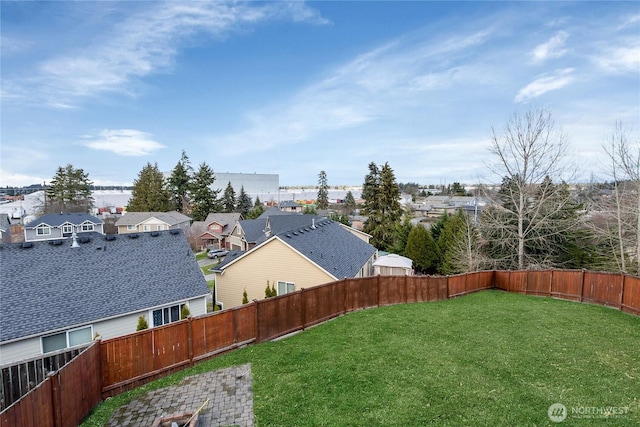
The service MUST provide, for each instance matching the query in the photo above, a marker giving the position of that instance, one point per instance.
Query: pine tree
(204, 199)
(68, 191)
(149, 192)
(421, 249)
(381, 195)
(244, 202)
(179, 183)
(229, 199)
(322, 200)
(349, 205)
(401, 235)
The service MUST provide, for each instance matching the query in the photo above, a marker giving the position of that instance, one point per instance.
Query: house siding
(278, 262)
(111, 328)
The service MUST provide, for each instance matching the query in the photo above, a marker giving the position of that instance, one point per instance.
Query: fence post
(582, 286)
(623, 277)
(257, 317)
(56, 400)
(190, 340)
(303, 308)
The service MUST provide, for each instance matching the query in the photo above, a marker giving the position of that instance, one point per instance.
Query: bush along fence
(112, 366)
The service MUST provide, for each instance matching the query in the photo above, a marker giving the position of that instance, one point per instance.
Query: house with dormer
(61, 226)
(63, 293)
(215, 230)
(293, 252)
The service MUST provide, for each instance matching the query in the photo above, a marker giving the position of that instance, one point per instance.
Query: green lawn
(489, 358)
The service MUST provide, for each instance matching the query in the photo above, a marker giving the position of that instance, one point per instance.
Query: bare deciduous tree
(620, 214)
(531, 156)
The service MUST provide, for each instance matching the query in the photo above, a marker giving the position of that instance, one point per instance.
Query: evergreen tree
(150, 192)
(322, 200)
(451, 232)
(204, 199)
(258, 203)
(68, 191)
(349, 205)
(229, 199)
(421, 249)
(341, 218)
(244, 202)
(401, 234)
(179, 183)
(382, 206)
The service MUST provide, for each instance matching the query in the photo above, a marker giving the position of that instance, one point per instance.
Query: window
(286, 287)
(87, 227)
(131, 227)
(43, 230)
(146, 227)
(67, 228)
(165, 315)
(70, 338)
(160, 227)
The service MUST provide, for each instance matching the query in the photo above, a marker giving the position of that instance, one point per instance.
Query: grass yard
(487, 359)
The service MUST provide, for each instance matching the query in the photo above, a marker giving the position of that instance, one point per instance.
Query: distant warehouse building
(264, 185)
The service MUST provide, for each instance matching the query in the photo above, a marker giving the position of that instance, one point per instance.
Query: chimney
(313, 223)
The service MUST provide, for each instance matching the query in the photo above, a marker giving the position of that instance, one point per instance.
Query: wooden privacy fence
(64, 399)
(19, 378)
(119, 364)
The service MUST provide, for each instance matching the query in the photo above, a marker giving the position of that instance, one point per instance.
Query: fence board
(279, 316)
(33, 409)
(603, 288)
(393, 290)
(361, 293)
(80, 387)
(501, 280)
(457, 285)
(631, 295)
(567, 284)
(321, 303)
(539, 283)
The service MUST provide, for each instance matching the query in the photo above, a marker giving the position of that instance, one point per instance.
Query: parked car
(217, 253)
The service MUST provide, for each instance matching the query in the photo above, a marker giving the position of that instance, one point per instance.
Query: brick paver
(228, 390)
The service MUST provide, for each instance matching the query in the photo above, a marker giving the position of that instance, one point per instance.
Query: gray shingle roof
(57, 219)
(275, 211)
(254, 229)
(52, 286)
(329, 245)
(170, 218)
(332, 247)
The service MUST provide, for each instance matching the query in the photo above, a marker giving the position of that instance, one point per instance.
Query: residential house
(249, 233)
(214, 231)
(299, 255)
(61, 293)
(140, 222)
(393, 265)
(290, 206)
(62, 226)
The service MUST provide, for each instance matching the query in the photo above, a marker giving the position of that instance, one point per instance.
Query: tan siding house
(274, 262)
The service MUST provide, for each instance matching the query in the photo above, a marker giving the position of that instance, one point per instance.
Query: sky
(295, 88)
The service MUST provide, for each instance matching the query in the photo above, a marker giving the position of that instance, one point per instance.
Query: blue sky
(296, 88)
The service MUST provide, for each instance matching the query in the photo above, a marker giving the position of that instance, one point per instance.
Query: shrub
(184, 312)
(245, 297)
(142, 324)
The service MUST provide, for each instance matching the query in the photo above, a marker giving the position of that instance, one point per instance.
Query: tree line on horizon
(533, 221)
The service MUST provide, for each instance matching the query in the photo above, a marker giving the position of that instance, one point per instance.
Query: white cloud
(8, 178)
(147, 43)
(620, 59)
(124, 142)
(545, 84)
(552, 48)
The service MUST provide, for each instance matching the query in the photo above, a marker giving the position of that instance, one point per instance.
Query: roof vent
(295, 233)
(288, 235)
(154, 234)
(133, 235)
(84, 239)
(26, 245)
(110, 237)
(175, 231)
(55, 242)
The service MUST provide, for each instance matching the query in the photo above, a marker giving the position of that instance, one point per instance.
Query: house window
(131, 227)
(43, 230)
(160, 227)
(146, 227)
(70, 338)
(286, 287)
(67, 228)
(87, 227)
(165, 315)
